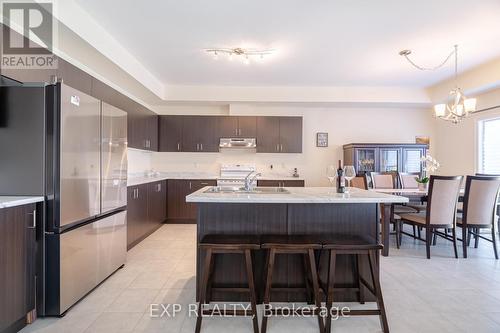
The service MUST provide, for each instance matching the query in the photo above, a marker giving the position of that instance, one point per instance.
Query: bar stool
(352, 245)
(234, 244)
(299, 245)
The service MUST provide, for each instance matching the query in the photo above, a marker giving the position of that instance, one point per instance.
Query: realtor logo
(28, 35)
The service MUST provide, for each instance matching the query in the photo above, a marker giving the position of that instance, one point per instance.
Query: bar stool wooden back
(299, 245)
(218, 244)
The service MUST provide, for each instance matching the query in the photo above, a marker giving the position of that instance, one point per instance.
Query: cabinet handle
(281, 147)
(197, 146)
(33, 220)
(178, 146)
(206, 184)
(278, 147)
(201, 146)
(239, 131)
(158, 187)
(190, 185)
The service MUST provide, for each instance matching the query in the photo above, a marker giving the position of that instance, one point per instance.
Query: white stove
(233, 175)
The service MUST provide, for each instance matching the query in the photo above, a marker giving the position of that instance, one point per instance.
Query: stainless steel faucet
(249, 180)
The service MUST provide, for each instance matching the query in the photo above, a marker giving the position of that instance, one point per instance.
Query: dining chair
(407, 180)
(383, 180)
(479, 210)
(360, 182)
(387, 180)
(498, 206)
(441, 211)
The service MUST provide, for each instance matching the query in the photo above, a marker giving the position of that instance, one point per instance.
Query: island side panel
(241, 219)
(359, 219)
(261, 219)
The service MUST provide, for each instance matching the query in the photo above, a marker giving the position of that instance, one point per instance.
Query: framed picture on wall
(321, 139)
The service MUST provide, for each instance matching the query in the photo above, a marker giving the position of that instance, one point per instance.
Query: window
(489, 146)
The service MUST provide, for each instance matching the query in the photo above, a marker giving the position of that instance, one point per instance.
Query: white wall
(344, 125)
(456, 144)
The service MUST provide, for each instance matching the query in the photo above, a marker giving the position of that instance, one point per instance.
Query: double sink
(254, 190)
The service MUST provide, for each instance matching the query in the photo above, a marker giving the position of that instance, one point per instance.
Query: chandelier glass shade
(458, 106)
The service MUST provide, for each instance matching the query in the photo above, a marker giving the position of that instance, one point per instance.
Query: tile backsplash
(282, 164)
(139, 161)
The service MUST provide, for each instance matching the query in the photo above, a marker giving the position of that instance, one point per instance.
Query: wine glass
(331, 174)
(349, 173)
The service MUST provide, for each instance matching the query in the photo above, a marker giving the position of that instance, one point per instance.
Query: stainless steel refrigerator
(78, 162)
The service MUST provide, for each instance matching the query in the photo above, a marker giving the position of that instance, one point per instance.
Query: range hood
(238, 143)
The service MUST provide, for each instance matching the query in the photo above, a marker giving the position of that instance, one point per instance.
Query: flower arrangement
(430, 165)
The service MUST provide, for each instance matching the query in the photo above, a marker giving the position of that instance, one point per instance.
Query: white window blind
(489, 146)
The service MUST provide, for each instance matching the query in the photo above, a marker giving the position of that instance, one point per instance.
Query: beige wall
(344, 125)
(456, 144)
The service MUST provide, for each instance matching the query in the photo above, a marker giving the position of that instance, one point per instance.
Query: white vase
(422, 186)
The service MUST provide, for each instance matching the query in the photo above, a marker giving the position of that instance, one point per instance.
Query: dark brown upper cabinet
(279, 134)
(237, 127)
(170, 133)
(143, 130)
(199, 134)
(202, 133)
(290, 134)
(152, 134)
(268, 134)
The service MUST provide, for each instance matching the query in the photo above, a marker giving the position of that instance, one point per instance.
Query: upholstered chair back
(443, 197)
(480, 199)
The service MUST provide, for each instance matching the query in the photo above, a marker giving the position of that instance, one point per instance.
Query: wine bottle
(340, 179)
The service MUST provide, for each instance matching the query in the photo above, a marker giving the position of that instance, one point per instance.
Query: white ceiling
(318, 43)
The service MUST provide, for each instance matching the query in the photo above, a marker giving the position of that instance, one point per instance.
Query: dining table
(386, 210)
(414, 195)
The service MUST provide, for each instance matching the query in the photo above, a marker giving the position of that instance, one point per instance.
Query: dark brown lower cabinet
(157, 203)
(17, 266)
(180, 211)
(137, 213)
(281, 183)
(146, 210)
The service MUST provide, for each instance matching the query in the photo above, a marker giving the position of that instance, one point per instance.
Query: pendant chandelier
(458, 106)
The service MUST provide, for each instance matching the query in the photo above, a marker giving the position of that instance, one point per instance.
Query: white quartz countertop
(297, 195)
(12, 201)
(137, 180)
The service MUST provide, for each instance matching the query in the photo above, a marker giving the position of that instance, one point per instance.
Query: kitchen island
(314, 211)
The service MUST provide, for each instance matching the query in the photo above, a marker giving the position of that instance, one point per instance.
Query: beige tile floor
(438, 295)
